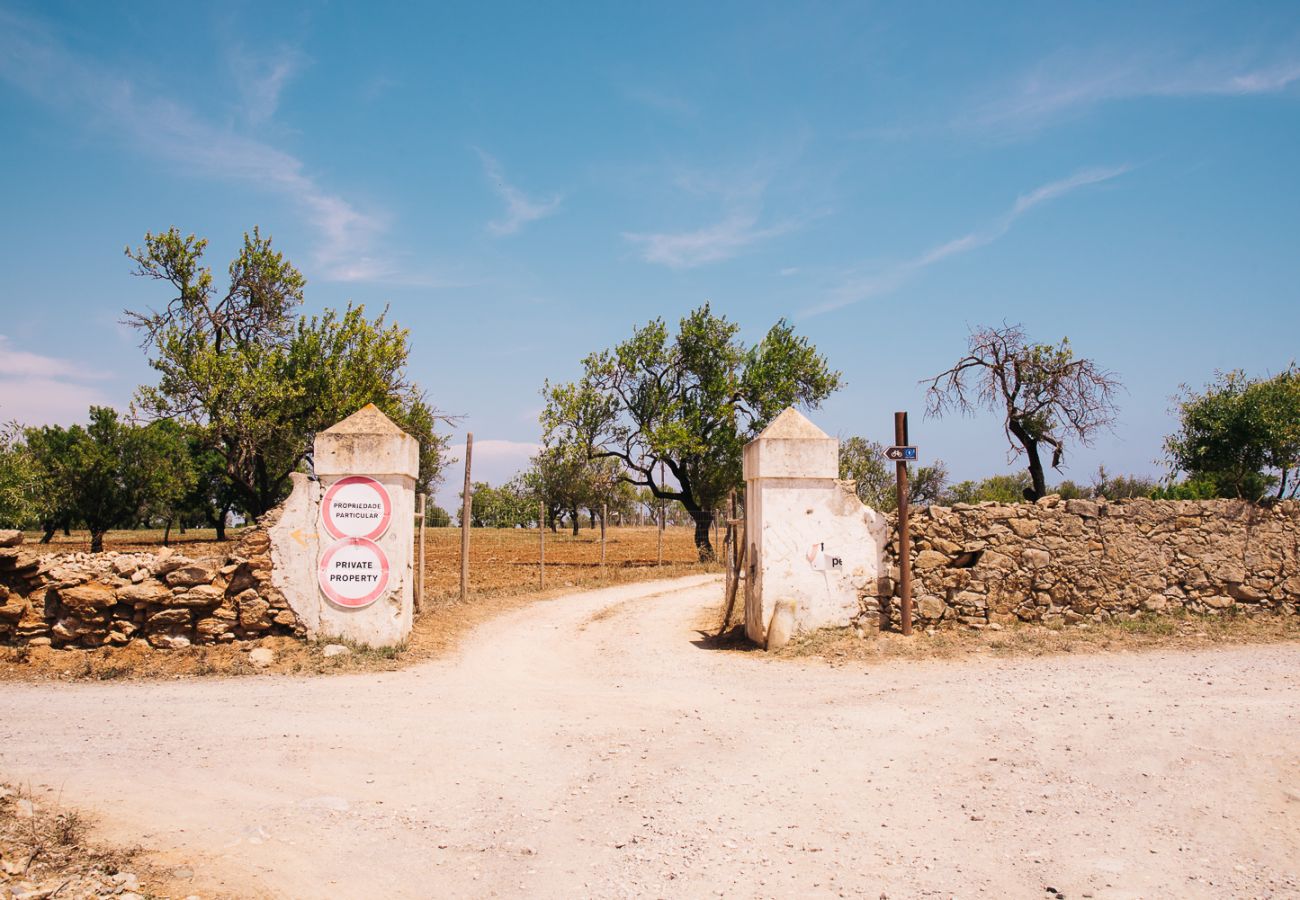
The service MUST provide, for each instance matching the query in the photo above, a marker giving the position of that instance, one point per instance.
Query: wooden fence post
(466, 512)
(541, 545)
(419, 582)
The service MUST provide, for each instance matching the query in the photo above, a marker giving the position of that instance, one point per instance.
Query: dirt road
(586, 747)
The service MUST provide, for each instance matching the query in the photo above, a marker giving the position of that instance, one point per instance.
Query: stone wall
(1068, 561)
(164, 598)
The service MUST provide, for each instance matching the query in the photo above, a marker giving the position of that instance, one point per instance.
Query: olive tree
(689, 401)
(1044, 393)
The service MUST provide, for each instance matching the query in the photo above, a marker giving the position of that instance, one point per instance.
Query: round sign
(356, 506)
(353, 572)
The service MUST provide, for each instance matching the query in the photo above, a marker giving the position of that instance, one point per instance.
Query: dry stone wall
(164, 598)
(1066, 561)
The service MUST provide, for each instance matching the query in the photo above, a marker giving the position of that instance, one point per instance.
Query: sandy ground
(587, 746)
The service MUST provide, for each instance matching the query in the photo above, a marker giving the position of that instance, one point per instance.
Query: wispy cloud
(662, 102)
(891, 277)
(261, 79)
(1060, 87)
(36, 389)
(741, 226)
(34, 60)
(714, 243)
(520, 208)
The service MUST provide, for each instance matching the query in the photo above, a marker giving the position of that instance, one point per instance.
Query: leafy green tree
(996, 489)
(436, 517)
(257, 379)
(19, 479)
(690, 401)
(1044, 393)
(1120, 487)
(863, 462)
(116, 473)
(49, 449)
(1241, 434)
(566, 481)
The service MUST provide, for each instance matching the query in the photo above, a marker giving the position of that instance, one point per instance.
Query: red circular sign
(353, 572)
(356, 506)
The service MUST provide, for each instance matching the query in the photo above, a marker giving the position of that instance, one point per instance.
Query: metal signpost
(901, 453)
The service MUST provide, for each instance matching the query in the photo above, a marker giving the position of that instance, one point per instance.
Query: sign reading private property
(353, 572)
(356, 506)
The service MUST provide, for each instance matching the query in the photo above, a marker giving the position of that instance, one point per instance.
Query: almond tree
(1045, 395)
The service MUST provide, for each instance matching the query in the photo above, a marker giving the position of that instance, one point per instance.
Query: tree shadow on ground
(732, 638)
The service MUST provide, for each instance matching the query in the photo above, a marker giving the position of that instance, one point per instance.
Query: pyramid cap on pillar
(792, 425)
(366, 443)
(792, 447)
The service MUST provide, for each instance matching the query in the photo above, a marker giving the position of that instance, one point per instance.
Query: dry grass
(47, 850)
(1147, 632)
(504, 576)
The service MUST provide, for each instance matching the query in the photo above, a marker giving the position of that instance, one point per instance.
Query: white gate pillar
(811, 541)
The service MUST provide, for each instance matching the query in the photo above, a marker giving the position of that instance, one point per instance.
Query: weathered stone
(252, 612)
(10, 537)
(1245, 593)
(87, 600)
(200, 595)
(144, 592)
(1081, 508)
(1024, 527)
(262, 657)
(931, 607)
(190, 575)
(332, 650)
(285, 617)
(123, 565)
(168, 560)
(1155, 603)
(1218, 601)
(781, 628)
(169, 618)
(170, 640)
(1035, 558)
(12, 606)
(929, 559)
(209, 630)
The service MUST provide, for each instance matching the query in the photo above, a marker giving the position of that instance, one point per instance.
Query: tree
(565, 480)
(1241, 435)
(863, 462)
(115, 473)
(1044, 393)
(996, 489)
(258, 380)
(19, 479)
(436, 517)
(49, 449)
(689, 401)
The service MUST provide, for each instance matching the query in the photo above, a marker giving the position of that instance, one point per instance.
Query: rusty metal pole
(541, 545)
(904, 529)
(466, 509)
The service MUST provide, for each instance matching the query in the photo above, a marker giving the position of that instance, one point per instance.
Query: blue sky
(520, 185)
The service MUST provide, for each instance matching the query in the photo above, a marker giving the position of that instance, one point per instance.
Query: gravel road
(587, 746)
